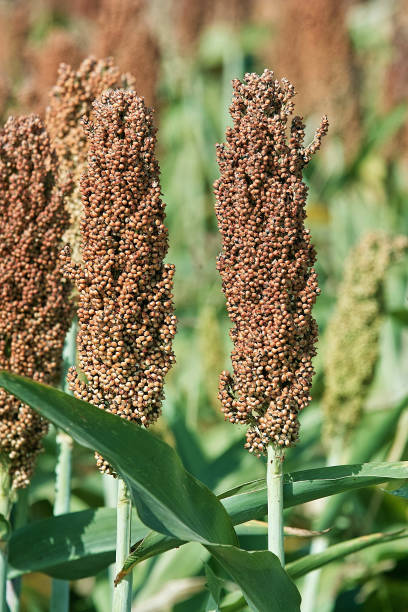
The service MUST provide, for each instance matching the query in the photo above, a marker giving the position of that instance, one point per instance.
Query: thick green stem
(122, 595)
(274, 480)
(5, 507)
(110, 494)
(60, 588)
(19, 520)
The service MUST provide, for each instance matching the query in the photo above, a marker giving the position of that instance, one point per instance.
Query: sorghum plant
(35, 305)
(266, 264)
(36, 309)
(125, 312)
(70, 100)
(354, 330)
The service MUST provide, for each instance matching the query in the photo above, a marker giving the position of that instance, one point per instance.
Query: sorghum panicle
(266, 262)
(70, 100)
(35, 310)
(125, 313)
(353, 333)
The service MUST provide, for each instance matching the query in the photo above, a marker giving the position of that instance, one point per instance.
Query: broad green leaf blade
(69, 546)
(248, 501)
(168, 499)
(307, 564)
(252, 572)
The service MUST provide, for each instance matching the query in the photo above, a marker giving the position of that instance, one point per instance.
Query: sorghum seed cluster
(70, 100)
(125, 313)
(35, 308)
(266, 262)
(352, 336)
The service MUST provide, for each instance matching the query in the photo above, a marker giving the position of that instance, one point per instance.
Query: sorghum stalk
(70, 100)
(274, 483)
(60, 588)
(5, 506)
(122, 595)
(266, 266)
(19, 520)
(125, 314)
(35, 307)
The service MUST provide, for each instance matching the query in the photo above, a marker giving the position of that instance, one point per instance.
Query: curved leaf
(69, 546)
(252, 572)
(168, 499)
(307, 564)
(249, 501)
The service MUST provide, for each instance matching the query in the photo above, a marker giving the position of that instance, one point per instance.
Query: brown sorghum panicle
(125, 313)
(266, 262)
(35, 309)
(70, 100)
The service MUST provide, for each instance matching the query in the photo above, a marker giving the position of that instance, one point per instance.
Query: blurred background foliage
(347, 60)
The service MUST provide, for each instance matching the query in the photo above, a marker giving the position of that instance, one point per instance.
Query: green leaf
(252, 572)
(168, 499)
(307, 564)
(215, 586)
(70, 546)
(249, 501)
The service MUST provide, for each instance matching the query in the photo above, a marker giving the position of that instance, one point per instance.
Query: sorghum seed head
(125, 310)
(353, 333)
(35, 310)
(70, 101)
(266, 263)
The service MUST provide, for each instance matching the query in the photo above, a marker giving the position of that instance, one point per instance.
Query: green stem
(110, 494)
(19, 520)
(60, 588)
(122, 594)
(274, 480)
(5, 507)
